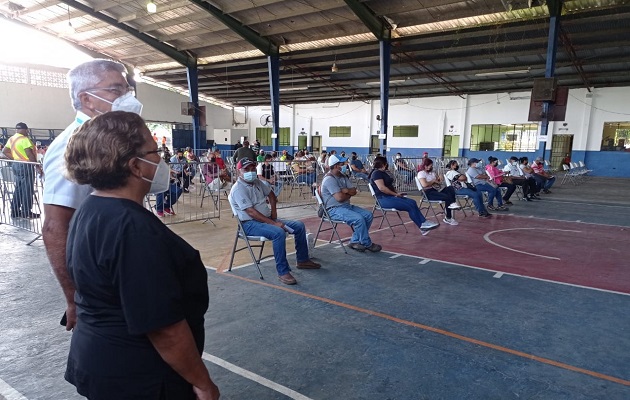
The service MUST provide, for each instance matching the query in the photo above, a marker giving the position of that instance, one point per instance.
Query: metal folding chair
(384, 211)
(430, 203)
(333, 223)
(240, 235)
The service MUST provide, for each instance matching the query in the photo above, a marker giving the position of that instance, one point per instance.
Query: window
(616, 136)
(48, 78)
(13, 74)
(406, 131)
(339, 131)
(513, 137)
(264, 136)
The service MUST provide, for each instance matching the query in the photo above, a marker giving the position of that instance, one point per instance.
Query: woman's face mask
(161, 178)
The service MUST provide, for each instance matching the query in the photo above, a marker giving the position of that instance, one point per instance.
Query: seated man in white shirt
(248, 199)
(528, 185)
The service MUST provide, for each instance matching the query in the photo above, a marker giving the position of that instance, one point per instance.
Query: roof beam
(261, 43)
(375, 24)
(182, 58)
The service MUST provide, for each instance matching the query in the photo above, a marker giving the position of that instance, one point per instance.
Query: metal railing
(21, 188)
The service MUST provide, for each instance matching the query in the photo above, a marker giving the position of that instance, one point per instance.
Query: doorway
(560, 146)
(316, 142)
(375, 145)
(301, 142)
(451, 146)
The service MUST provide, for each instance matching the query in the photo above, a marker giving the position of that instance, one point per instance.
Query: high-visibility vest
(18, 154)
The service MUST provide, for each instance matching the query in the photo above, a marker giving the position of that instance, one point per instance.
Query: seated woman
(268, 176)
(383, 186)
(497, 176)
(404, 169)
(141, 290)
(305, 173)
(431, 184)
(459, 182)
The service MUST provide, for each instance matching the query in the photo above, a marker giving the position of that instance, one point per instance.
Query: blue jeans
(278, 236)
(404, 204)
(168, 198)
(358, 218)
(23, 195)
(447, 195)
(544, 182)
(307, 177)
(492, 193)
(476, 197)
(360, 175)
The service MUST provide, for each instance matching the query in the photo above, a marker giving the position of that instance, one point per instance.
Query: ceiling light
(334, 67)
(293, 88)
(495, 73)
(151, 7)
(394, 82)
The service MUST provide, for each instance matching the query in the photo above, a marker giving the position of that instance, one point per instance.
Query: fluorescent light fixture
(394, 82)
(291, 89)
(495, 73)
(151, 7)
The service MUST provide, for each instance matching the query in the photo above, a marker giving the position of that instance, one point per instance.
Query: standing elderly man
(337, 189)
(96, 87)
(20, 148)
(248, 199)
(244, 152)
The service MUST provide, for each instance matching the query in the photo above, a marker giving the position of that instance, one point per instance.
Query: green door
(301, 142)
(317, 144)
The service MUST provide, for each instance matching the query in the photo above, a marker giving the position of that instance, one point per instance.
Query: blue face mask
(250, 176)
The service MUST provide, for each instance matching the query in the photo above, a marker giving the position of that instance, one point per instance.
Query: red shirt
(538, 168)
(220, 162)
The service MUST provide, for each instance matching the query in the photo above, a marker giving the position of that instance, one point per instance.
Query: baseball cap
(245, 162)
(332, 160)
(21, 125)
(473, 160)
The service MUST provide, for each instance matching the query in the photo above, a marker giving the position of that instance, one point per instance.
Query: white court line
(586, 204)
(254, 377)
(426, 260)
(395, 256)
(516, 275)
(8, 393)
(486, 237)
(498, 275)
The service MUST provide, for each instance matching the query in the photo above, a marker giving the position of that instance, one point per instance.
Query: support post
(385, 47)
(193, 89)
(274, 90)
(555, 9)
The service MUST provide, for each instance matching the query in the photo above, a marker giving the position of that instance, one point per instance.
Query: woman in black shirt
(141, 290)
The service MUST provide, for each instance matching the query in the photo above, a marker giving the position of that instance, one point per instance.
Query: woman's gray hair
(89, 74)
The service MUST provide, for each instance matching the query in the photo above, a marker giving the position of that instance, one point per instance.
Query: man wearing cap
(545, 178)
(482, 183)
(248, 199)
(96, 87)
(244, 152)
(337, 189)
(20, 148)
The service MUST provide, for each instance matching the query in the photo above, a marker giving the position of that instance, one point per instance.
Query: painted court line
(498, 275)
(486, 237)
(395, 256)
(8, 393)
(254, 377)
(441, 332)
(517, 275)
(425, 261)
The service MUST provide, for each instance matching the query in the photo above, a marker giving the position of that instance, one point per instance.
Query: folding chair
(214, 194)
(468, 204)
(430, 203)
(240, 235)
(384, 211)
(333, 224)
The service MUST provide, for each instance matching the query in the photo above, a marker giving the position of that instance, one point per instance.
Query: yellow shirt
(18, 144)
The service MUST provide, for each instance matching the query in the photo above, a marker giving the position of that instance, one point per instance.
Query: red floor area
(569, 252)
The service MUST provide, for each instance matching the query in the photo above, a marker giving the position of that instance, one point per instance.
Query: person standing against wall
(21, 149)
(96, 87)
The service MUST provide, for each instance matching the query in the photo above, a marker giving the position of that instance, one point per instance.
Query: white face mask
(397, 157)
(250, 176)
(126, 102)
(161, 179)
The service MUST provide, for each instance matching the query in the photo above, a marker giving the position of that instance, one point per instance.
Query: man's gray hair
(89, 74)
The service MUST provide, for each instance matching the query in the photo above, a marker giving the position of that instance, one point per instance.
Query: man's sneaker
(450, 221)
(502, 208)
(485, 215)
(375, 248)
(168, 211)
(287, 279)
(424, 232)
(491, 207)
(546, 191)
(429, 225)
(357, 246)
(454, 206)
(160, 213)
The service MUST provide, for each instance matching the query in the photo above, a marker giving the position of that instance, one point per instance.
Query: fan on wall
(265, 119)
